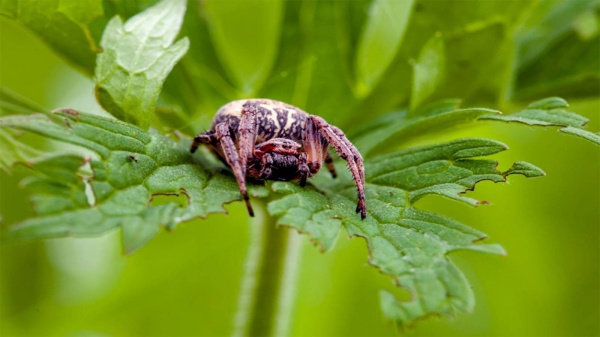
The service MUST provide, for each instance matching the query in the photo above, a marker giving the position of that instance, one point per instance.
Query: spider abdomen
(274, 119)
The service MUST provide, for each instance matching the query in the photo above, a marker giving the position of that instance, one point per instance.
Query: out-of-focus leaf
(473, 32)
(137, 57)
(545, 24)
(324, 82)
(406, 243)
(198, 84)
(380, 40)
(132, 167)
(570, 68)
(12, 151)
(13, 103)
(469, 78)
(313, 69)
(71, 28)
(246, 36)
(126, 8)
(551, 112)
(428, 71)
(559, 51)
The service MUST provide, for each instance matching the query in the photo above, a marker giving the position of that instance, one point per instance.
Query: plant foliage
(128, 163)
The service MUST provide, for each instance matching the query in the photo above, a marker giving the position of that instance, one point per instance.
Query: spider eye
(286, 145)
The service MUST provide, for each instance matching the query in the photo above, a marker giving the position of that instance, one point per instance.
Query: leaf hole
(181, 199)
(86, 173)
(89, 193)
(401, 293)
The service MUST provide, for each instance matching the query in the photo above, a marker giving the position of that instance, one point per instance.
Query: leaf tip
(526, 169)
(549, 103)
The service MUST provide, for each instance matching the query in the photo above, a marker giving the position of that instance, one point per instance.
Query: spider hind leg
(329, 164)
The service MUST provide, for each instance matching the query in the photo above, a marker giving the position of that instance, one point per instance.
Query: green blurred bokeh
(186, 282)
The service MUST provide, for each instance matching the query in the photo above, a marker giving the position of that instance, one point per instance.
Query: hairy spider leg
(203, 138)
(329, 163)
(232, 158)
(348, 152)
(311, 142)
(247, 132)
(303, 168)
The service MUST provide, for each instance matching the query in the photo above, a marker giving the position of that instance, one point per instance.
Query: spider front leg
(247, 132)
(203, 138)
(233, 160)
(265, 162)
(303, 168)
(348, 152)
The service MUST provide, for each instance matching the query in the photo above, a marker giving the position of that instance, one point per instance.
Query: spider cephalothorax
(263, 139)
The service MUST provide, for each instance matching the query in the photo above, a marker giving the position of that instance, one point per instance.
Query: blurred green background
(186, 282)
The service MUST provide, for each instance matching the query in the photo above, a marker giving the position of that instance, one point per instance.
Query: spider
(263, 139)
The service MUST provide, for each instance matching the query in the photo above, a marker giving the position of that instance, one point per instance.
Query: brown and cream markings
(264, 139)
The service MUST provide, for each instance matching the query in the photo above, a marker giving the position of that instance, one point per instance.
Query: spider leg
(266, 163)
(247, 132)
(303, 168)
(232, 158)
(329, 163)
(204, 138)
(313, 146)
(348, 152)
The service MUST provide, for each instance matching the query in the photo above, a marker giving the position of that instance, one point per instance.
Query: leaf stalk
(267, 294)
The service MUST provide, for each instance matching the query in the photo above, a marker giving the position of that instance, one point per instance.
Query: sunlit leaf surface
(551, 112)
(132, 166)
(429, 70)
(380, 40)
(406, 243)
(137, 57)
(71, 28)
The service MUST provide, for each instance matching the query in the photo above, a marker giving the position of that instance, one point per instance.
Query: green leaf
(547, 22)
(132, 166)
(136, 59)
(550, 112)
(71, 28)
(312, 53)
(246, 37)
(380, 40)
(13, 151)
(126, 8)
(525, 169)
(558, 48)
(569, 68)
(406, 243)
(428, 71)
(397, 125)
(13, 103)
(473, 32)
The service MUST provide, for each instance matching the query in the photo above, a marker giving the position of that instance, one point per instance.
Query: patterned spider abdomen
(274, 119)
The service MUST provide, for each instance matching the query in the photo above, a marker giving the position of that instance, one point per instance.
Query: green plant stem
(267, 294)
